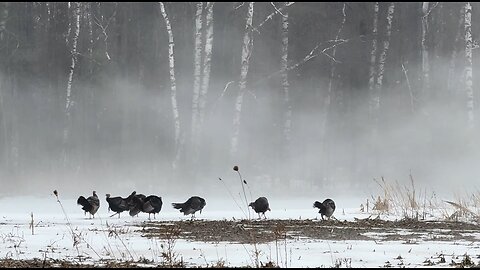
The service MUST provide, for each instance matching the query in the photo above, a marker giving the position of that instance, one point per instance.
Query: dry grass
(402, 200)
(409, 203)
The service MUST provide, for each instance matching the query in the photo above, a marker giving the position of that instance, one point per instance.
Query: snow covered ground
(66, 233)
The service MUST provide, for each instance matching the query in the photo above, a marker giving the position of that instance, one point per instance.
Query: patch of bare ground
(55, 263)
(263, 231)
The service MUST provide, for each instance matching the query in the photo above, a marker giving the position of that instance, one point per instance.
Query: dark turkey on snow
(118, 204)
(327, 207)
(260, 205)
(90, 204)
(135, 204)
(191, 206)
(150, 204)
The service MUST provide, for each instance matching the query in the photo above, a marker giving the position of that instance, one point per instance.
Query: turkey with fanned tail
(327, 207)
(135, 204)
(90, 204)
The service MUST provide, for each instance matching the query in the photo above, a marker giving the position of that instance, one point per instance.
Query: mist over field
(87, 103)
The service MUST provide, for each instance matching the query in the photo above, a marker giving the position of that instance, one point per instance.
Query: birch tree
(242, 84)
(202, 66)
(197, 70)
(173, 87)
(206, 63)
(373, 55)
(468, 66)
(376, 93)
(287, 126)
(75, 7)
(381, 65)
(451, 66)
(425, 63)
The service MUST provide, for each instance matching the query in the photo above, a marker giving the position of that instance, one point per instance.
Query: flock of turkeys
(136, 203)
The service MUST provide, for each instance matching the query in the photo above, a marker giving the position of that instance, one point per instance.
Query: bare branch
(278, 11)
(269, 17)
(430, 10)
(104, 29)
(239, 6)
(412, 97)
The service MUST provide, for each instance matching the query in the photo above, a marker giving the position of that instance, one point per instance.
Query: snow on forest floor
(292, 236)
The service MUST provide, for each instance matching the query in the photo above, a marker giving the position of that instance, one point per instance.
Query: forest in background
(303, 97)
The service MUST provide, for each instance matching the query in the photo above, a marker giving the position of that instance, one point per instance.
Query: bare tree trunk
(206, 64)
(468, 66)
(451, 67)
(373, 53)
(381, 63)
(73, 51)
(328, 101)
(287, 126)
(425, 62)
(376, 93)
(197, 75)
(173, 86)
(374, 96)
(3, 120)
(242, 85)
(3, 19)
(89, 11)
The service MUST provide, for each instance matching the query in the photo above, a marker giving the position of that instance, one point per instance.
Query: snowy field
(67, 234)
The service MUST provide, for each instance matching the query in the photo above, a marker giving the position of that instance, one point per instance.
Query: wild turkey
(260, 205)
(149, 204)
(118, 204)
(327, 207)
(191, 206)
(135, 204)
(91, 204)
(152, 205)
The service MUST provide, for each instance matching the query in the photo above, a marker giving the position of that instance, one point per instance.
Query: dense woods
(301, 96)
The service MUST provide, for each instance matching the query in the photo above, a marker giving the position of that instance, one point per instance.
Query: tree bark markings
(469, 65)
(242, 84)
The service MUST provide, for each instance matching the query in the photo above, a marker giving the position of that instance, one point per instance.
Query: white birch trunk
(382, 60)
(73, 60)
(451, 67)
(69, 28)
(90, 37)
(468, 66)
(287, 126)
(173, 86)
(197, 73)
(3, 19)
(206, 63)
(246, 52)
(373, 53)
(376, 93)
(425, 63)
